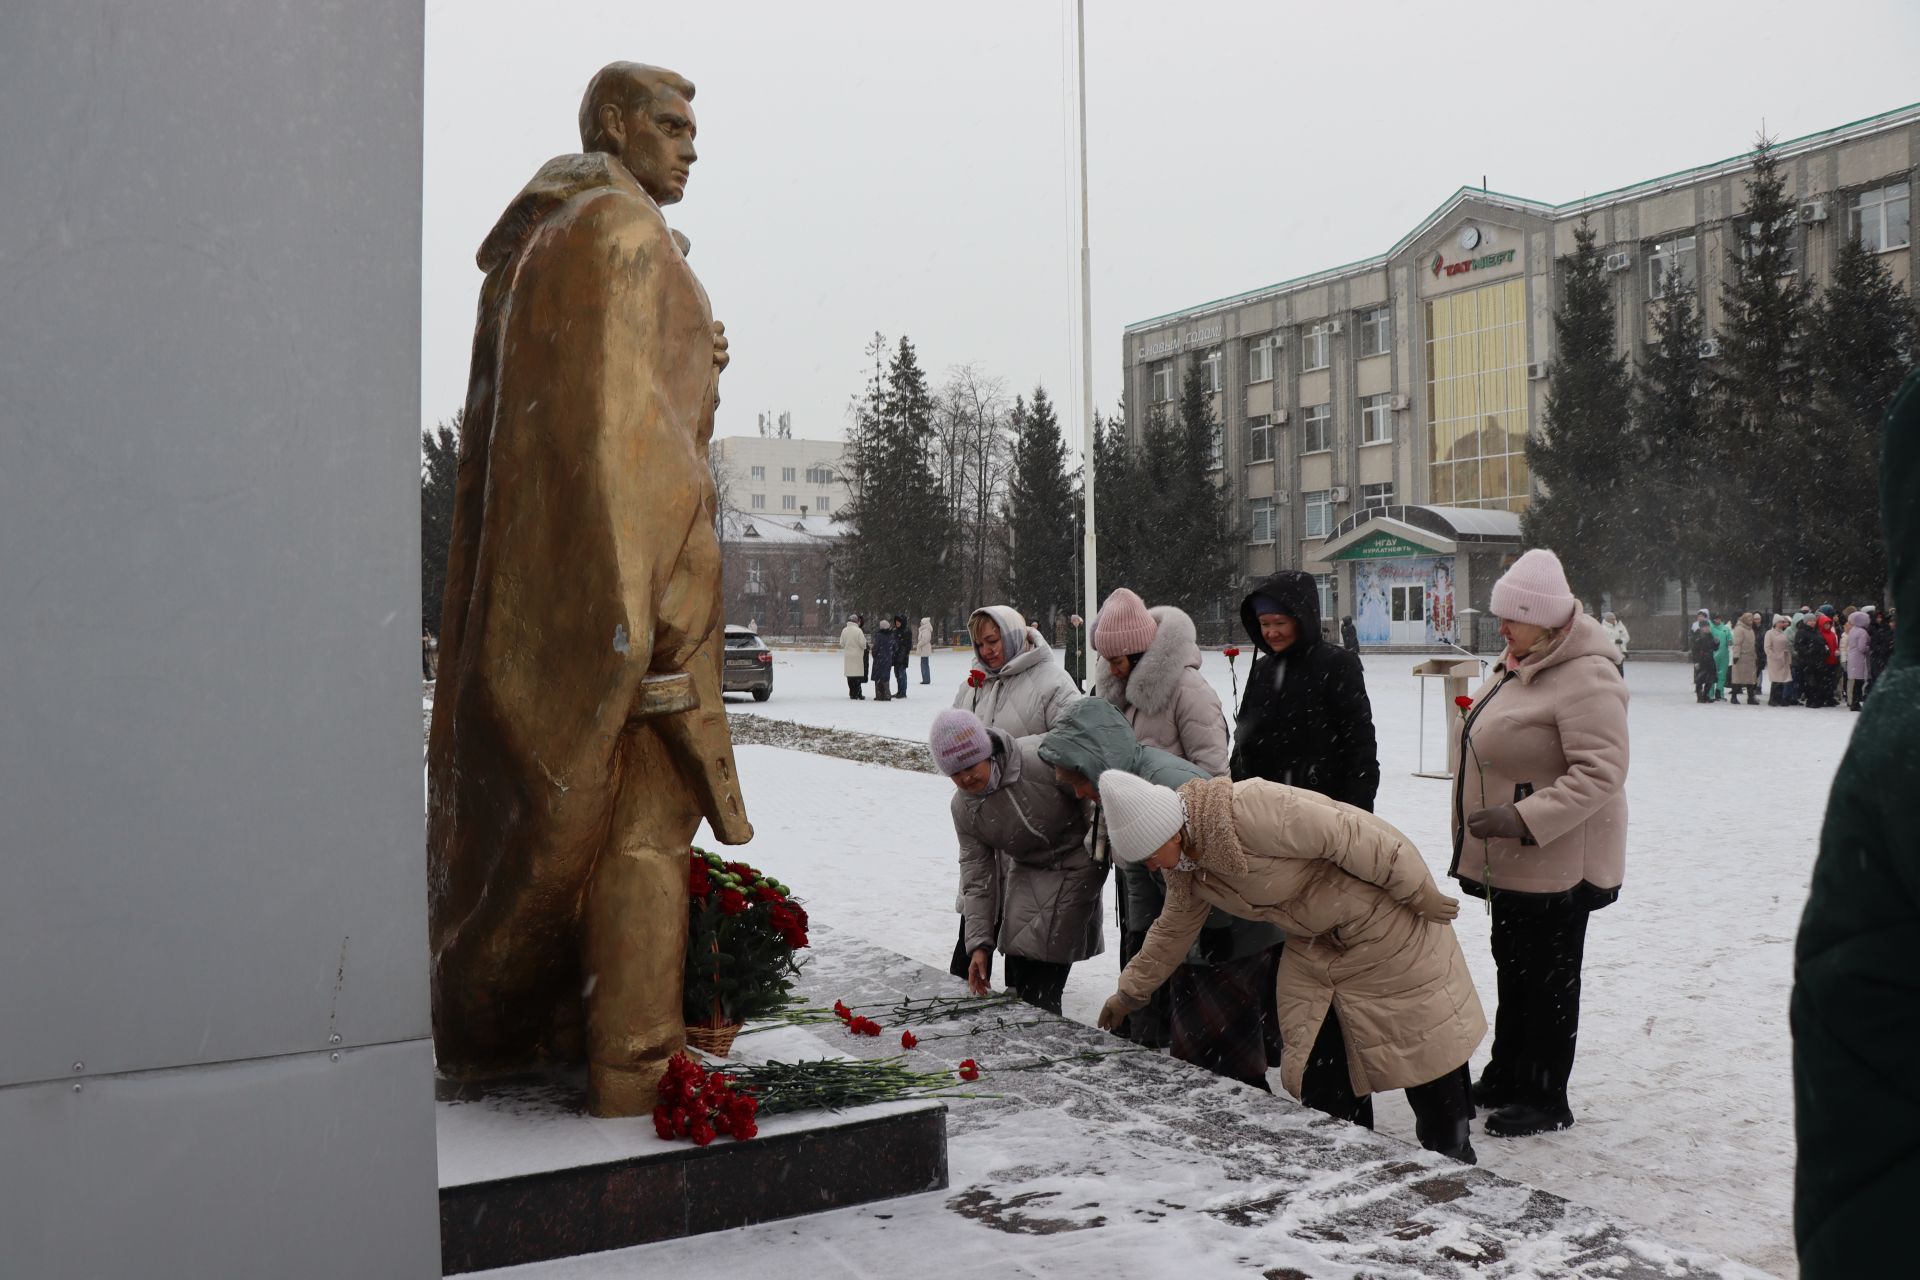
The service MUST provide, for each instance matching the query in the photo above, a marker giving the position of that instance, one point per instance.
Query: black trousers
(1441, 1108)
(853, 687)
(1538, 946)
(1038, 982)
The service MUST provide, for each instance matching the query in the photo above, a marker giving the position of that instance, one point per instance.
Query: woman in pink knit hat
(1540, 830)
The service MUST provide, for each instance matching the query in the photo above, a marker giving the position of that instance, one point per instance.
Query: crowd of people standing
(884, 657)
(1822, 657)
(1266, 916)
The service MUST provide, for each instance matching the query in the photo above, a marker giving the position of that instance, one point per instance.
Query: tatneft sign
(1442, 267)
(1383, 546)
(1168, 343)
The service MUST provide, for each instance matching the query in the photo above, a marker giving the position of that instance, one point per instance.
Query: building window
(1477, 397)
(1327, 587)
(1161, 378)
(1316, 346)
(1259, 439)
(1260, 359)
(1210, 371)
(786, 475)
(757, 473)
(1376, 331)
(1216, 445)
(754, 585)
(1260, 522)
(788, 502)
(1376, 419)
(823, 503)
(1669, 256)
(759, 502)
(1376, 497)
(1316, 429)
(819, 475)
(1882, 219)
(1317, 509)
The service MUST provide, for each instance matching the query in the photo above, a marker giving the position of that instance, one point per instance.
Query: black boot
(1490, 1092)
(1524, 1119)
(1456, 1143)
(1733, 695)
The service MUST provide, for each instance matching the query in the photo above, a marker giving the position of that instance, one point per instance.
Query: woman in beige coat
(1149, 667)
(1746, 662)
(1373, 991)
(1540, 830)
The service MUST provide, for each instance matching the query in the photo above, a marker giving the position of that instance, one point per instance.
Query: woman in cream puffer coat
(1019, 689)
(1158, 686)
(1373, 991)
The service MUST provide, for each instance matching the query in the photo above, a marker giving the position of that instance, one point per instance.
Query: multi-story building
(765, 475)
(1374, 416)
(777, 573)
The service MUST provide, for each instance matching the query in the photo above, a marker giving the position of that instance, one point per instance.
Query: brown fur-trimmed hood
(1212, 843)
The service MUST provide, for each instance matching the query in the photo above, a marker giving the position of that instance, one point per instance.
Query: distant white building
(764, 475)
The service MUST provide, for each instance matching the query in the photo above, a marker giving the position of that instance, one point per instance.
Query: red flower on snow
(908, 1040)
(841, 1011)
(969, 1069)
(976, 678)
(864, 1027)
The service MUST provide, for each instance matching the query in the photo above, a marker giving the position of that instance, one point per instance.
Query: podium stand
(1453, 674)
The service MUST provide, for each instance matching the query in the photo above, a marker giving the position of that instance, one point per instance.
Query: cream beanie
(1140, 816)
(1535, 590)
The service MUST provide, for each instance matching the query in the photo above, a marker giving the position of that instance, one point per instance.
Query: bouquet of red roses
(743, 928)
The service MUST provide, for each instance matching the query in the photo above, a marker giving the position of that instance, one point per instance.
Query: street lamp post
(793, 616)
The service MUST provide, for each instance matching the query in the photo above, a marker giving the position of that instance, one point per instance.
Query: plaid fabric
(1222, 1016)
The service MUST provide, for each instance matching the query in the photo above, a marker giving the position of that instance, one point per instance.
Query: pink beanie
(1535, 591)
(1123, 626)
(959, 741)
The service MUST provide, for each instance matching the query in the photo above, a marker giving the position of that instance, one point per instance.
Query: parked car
(749, 665)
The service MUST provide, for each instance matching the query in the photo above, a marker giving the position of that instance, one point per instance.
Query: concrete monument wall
(214, 1054)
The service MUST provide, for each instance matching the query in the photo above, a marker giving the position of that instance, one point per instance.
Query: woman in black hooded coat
(1304, 719)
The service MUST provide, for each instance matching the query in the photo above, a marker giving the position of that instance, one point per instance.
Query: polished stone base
(526, 1175)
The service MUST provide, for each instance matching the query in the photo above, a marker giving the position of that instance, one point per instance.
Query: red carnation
(864, 1027)
(701, 1132)
(732, 902)
(908, 1040)
(697, 883)
(1463, 702)
(976, 678)
(767, 893)
(841, 1011)
(969, 1070)
(663, 1121)
(1230, 652)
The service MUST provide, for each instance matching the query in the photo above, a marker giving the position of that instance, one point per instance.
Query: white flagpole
(1089, 541)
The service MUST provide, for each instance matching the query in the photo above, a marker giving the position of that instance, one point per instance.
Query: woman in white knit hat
(1373, 991)
(1540, 830)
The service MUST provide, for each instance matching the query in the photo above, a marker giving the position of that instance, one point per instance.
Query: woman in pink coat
(1540, 830)
(1859, 657)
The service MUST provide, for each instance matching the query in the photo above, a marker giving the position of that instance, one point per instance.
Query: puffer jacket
(1550, 735)
(1304, 718)
(923, 639)
(1338, 880)
(1029, 691)
(1745, 662)
(1024, 862)
(1779, 657)
(1859, 647)
(1092, 738)
(1165, 698)
(853, 651)
(883, 642)
(1856, 991)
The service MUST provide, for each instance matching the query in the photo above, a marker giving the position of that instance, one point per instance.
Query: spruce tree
(1761, 449)
(894, 553)
(1117, 506)
(1670, 498)
(439, 461)
(1040, 514)
(1194, 521)
(1583, 455)
(1860, 345)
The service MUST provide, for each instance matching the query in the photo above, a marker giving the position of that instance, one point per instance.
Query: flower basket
(743, 929)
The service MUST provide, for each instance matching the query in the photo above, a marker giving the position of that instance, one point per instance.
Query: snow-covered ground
(1682, 1090)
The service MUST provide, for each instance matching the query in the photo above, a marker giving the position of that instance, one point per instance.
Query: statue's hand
(720, 356)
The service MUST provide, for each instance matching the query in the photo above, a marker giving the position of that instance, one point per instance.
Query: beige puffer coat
(1338, 880)
(853, 651)
(1557, 726)
(1165, 698)
(923, 639)
(1023, 862)
(1746, 663)
(1029, 691)
(1779, 655)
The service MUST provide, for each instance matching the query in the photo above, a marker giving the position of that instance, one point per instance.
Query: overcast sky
(906, 167)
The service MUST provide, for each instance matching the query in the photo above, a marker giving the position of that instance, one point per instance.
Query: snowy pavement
(1682, 1091)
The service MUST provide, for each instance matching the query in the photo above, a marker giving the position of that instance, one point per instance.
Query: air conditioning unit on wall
(1619, 261)
(1402, 401)
(1336, 326)
(1813, 211)
(1338, 493)
(1709, 348)
(1278, 418)
(1537, 371)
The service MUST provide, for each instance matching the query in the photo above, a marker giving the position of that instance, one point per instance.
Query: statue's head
(643, 116)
